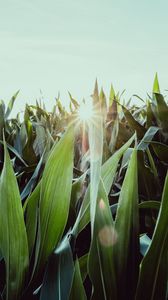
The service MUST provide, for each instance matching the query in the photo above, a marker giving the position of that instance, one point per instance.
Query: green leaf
(113, 111)
(156, 88)
(31, 183)
(127, 229)
(140, 130)
(101, 260)
(77, 290)
(162, 112)
(126, 158)
(150, 205)
(10, 105)
(152, 165)
(55, 195)
(13, 238)
(15, 152)
(150, 117)
(110, 166)
(139, 98)
(108, 173)
(2, 118)
(59, 274)
(112, 95)
(39, 111)
(28, 150)
(76, 195)
(161, 151)
(77, 190)
(114, 135)
(83, 266)
(60, 107)
(103, 103)
(147, 180)
(147, 138)
(96, 153)
(153, 270)
(75, 103)
(40, 140)
(31, 207)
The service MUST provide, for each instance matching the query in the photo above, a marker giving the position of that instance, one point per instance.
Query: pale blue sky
(64, 45)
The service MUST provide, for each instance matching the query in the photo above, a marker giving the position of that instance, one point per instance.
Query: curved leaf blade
(101, 260)
(59, 274)
(10, 104)
(153, 271)
(108, 172)
(156, 88)
(55, 195)
(77, 290)
(13, 238)
(127, 227)
(147, 138)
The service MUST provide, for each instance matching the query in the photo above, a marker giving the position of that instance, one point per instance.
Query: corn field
(84, 199)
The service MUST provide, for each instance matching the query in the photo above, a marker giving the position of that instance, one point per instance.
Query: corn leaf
(153, 271)
(77, 290)
(55, 195)
(59, 274)
(108, 172)
(2, 118)
(83, 266)
(28, 150)
(149, 135)
(156, 88)
(13, 238)
(147, 180)
(96, 152)
(77, 190)
(150, 116)
(112, 95)
(10, 105)
(31, 207)
(161, 151)
(16, 153)
(40, 140)
(101, 261)
(73, 101)
(162, 111)
(113, 111)
(152, 165)
(95, 95)
(150, 205)
(31, 183)
(140, 130)
(126, 158)
(127, 229)
(103, 103)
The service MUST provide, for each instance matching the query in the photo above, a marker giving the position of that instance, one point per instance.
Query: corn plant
(83, 205)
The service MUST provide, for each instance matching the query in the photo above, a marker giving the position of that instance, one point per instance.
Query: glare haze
(59, 46)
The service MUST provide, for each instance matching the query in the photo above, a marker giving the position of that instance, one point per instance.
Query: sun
(85, 111)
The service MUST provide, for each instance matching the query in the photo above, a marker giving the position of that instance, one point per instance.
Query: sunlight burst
(85, 111)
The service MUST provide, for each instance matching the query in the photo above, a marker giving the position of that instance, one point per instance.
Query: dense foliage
(83, 205)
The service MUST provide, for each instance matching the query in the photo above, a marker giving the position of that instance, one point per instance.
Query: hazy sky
(64, 45)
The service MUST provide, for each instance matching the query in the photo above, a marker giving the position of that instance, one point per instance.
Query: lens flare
(108, 236)
(85, 111)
